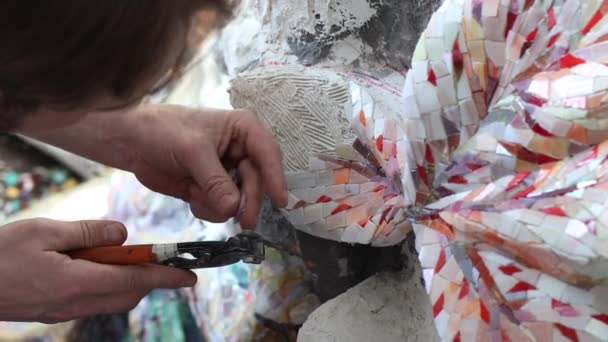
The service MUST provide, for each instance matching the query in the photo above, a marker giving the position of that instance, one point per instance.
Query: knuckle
(88, 239)
(215, 184)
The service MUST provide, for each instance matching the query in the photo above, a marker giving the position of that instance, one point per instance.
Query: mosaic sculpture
(516, 248)
(496, 159)
(340, 151)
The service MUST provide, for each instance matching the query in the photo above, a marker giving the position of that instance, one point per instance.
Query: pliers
(247, 247)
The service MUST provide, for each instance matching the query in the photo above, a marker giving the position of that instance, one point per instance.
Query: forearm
(103, 137)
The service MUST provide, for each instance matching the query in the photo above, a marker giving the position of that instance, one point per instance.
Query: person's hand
(187, 153)
(38, 283)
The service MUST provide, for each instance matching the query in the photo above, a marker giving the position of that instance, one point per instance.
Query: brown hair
(61, 53)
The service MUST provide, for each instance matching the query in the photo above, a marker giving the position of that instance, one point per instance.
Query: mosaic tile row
(497, 155)
(499, 159)
(514, 247)
(355, 193)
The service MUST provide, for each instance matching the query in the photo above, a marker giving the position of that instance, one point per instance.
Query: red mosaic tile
(555, 211)
(532, 35)
(553, 39)
(438, 306)
(568, 333)
(440, 261)
(464, 289)
(517, 180)
(509, 269)
(570, 61)
(550, 18)
(522, 286)
(540, 130)
(431, 77)
(594, 20)
(601, 317)
(379, 143)
(457, 180)
(484, 314)
(511, 17)
(324, 199)
(340, 208)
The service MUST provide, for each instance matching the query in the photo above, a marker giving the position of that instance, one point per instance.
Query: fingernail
(242, 205)
(115, 233)
(228, 203)
(285, 198)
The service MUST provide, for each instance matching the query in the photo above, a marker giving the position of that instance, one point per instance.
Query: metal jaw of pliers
(247, 247)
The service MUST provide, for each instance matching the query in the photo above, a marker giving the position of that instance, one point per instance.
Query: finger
(251, 193)
(215, 190)
(202, 212)
(114, 303)
(98, 279)
(66, 236)
(95, 305)
(266, 155)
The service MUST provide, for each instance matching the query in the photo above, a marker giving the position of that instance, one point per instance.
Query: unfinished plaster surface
(291, 31)
(386, 307)
(345, 34)
(303, 107)
(340, 149)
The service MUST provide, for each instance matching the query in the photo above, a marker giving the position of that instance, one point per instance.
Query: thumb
(66, 236)
(215, 188)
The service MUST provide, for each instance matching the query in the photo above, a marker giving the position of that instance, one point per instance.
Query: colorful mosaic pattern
(524, 257)
(515, 248)
(355, 194)
(498, 157)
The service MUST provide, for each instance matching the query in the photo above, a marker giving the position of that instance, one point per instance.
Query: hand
(41, 284)
(187, 153)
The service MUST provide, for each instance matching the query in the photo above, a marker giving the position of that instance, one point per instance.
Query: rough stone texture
(393, 32)
(360, 34)
(386, 307)
(336, 266)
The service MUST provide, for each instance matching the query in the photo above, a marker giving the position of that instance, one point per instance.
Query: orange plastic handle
(116, 255)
